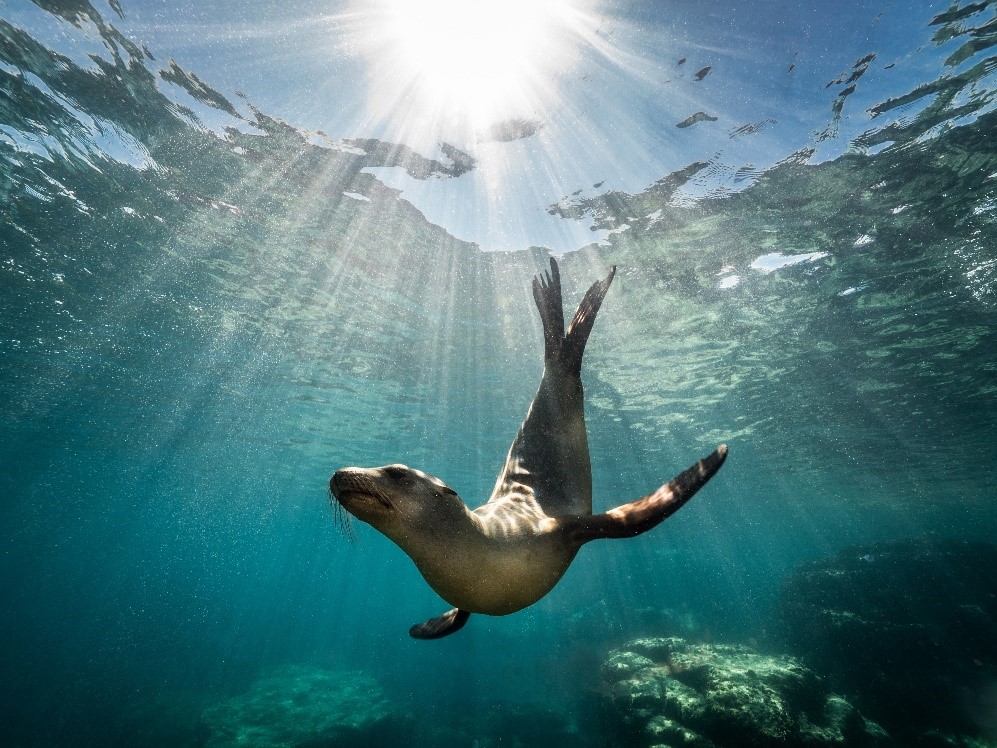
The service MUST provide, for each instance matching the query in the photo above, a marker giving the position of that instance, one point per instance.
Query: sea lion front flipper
(436, 628)
(640, 516)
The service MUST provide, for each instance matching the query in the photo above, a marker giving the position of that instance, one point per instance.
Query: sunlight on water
(438, 68)
(475, 60)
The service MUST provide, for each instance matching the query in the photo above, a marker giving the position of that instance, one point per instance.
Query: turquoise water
(198, 326)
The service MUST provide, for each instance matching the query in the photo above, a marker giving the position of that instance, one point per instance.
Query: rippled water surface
(211, 300)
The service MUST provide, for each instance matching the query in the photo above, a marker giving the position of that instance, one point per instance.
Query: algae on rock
(298, 705)
(670, 692)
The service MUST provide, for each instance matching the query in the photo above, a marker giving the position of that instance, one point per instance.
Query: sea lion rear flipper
(558, 345)
(436, 628)
(547, 294)
(640, 516)
(581, 325)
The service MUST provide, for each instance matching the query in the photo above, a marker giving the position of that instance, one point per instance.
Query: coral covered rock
(669, 692)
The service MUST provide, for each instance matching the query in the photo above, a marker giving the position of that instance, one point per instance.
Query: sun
(469, 61)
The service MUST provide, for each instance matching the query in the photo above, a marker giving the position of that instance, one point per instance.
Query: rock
(296, 706)
(669, 692)
(668, 733)
(308, 707)
(906, 626)
(623, 664)
(935, 739)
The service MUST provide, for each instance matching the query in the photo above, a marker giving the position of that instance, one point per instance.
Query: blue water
(197, 327)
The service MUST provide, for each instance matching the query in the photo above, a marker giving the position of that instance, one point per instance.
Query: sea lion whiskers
(343, 519)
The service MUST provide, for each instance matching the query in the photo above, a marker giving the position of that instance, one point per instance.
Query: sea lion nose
(341, 479)
(335, 481)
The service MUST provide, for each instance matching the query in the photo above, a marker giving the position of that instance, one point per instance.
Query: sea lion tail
(567, 348)
(640, 516)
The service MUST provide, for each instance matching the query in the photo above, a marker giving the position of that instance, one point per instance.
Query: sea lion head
(396, 499)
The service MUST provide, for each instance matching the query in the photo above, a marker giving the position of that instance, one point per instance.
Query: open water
(198, 326)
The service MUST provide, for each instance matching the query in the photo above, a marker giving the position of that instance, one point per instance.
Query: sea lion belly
(497, 576)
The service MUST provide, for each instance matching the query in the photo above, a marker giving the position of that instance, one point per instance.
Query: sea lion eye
(395, 473)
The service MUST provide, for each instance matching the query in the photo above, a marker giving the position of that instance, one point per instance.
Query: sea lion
(512, 550)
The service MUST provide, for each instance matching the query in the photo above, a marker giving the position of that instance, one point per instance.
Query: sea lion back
(548, 469)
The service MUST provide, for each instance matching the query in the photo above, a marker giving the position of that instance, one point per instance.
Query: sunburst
(446, 64)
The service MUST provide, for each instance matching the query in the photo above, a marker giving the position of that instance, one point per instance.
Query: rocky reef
(298, 706)
(668, 692)
(908, 628)
(308, 707)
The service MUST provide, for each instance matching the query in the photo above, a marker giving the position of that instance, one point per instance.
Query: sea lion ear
(640, 516)
(436, 628)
